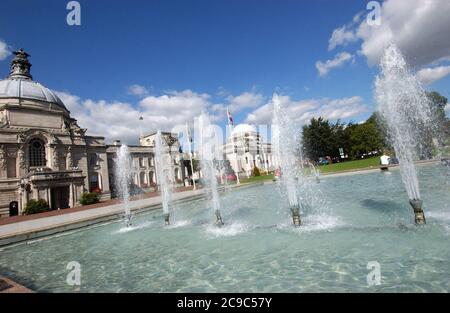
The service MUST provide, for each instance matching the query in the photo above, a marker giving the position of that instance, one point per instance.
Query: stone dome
(19, 83)
(27, 89)
(244, 128)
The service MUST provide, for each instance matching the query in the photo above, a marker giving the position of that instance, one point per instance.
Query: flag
(188, 133)
(230, 118)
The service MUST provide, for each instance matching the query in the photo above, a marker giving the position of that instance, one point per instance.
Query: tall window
(11, 168)
(93, 159)
(37, 153)
(94, 182)
(142, 179)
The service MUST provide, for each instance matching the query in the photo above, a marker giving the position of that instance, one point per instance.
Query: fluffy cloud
(341, 36)
(174, 108)
(137, 90)
(246, 100)
(419, 28)
(302, 111)
(430, 75)
(114, 120)
(120, 120)
(339, 60)
(5, 51)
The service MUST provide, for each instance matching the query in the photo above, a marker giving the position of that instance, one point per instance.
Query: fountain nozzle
(128, 220)
(295, 210)
(418, 211)
(167, 219)
(219, 221)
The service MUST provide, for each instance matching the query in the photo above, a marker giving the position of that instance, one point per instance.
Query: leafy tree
(322, 138)
(441, 124)
(318, 138)
(365, 138)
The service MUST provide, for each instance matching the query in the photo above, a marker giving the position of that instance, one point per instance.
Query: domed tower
(20, 88)
(43, 152)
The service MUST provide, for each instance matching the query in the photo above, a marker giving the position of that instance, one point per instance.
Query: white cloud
(174, 108)
(339, 60)
(341, 36)
(302, 111)
(246, 100)
(120, 120)
(5, 50)
(137, 90)
(114, 120)
(419, 28)
(432, 74)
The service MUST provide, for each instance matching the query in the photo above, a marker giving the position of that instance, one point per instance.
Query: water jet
(406, 110)
(209, 153)
(123, 173)
(164, 174)
(219, 221)
(167, 219)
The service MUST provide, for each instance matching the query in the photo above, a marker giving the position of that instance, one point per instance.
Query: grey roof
(28, 89)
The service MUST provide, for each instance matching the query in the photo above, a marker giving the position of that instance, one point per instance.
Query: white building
(45, 154)
(246, 150)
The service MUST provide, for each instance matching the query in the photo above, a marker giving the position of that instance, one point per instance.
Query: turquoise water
(362, 218)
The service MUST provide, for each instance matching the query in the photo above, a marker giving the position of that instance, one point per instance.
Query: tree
(440, 123)
(365, 138)
(318, 138)
(322, 138)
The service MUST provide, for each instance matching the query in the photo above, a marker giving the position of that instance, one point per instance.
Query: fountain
(405, 108)
(314, 171)
(123, 173)
(208, 150)
(286, 140)
(164, 174)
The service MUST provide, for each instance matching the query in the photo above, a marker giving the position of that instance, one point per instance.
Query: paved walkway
(20, 218)
(47, 223)
(9, 286)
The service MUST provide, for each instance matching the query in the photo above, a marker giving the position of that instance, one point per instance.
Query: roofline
(162, 132)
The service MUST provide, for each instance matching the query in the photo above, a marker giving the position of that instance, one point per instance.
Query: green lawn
(350, 165)
(333, 168)
(257, 178)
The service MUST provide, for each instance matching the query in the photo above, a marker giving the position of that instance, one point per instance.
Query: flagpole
(188, 134)
(232, 142)
(140, 129)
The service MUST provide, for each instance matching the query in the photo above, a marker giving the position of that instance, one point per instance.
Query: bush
(89, 198)
(256, 172)
(36, 206)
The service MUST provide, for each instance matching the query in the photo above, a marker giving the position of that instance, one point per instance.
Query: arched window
(142, 179)
(37, 153)
(151, 177)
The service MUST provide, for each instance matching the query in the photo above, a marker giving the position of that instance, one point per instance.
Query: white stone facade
(44, 154)
(246, 150)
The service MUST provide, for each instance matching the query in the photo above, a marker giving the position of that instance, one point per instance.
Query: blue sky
(216, 50)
